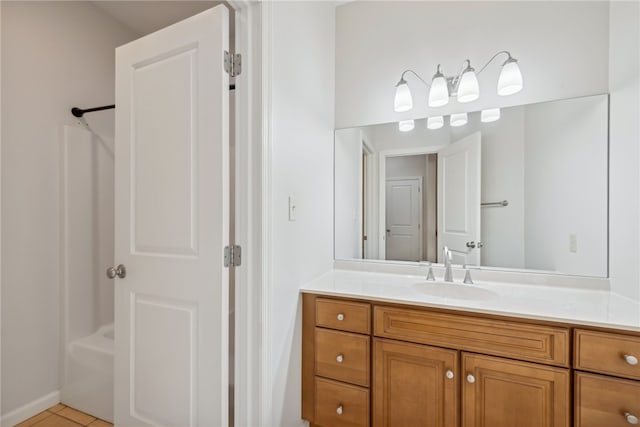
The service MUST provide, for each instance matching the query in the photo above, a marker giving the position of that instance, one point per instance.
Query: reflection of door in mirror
(363, 208)
(459, 199)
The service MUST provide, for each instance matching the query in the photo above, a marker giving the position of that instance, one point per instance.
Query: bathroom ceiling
(147, 16)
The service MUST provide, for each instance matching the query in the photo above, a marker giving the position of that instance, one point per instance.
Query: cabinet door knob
(339, 358)
(449, 374)
(471, 379)
(631, 360)
(631, 419)
(340, 316)
(339, 410)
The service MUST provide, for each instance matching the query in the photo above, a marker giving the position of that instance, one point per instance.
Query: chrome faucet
(448, 276)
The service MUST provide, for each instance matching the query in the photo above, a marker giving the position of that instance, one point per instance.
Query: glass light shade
(458, 119)
(468, 88)
(435, 122)
(402, 101)
(439, 92)
(488, 116)
(510, 80)
(406, 125)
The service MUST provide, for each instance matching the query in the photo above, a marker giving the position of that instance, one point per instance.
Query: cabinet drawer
(605, 401)
(604, 352)
(342, 356)
(536, 343)
(343, 315)
(341, 405)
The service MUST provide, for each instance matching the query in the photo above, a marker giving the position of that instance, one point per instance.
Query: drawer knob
(631, 360)
(339, 410)
(339, 358)
(631, 419)
(449, 374)
(340, 316)
(471, 379)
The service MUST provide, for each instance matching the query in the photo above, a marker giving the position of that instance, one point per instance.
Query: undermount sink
(453, 290)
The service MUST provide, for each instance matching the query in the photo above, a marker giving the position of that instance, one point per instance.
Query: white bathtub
(89, 374)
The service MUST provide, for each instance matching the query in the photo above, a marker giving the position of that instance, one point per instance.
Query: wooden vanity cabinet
(607, 386)
(414, 385)
(336, 362)
(494, 391)
(416, 367)
(500, 392)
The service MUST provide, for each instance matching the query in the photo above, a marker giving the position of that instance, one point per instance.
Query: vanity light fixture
(510, 80)
(406, 125)
(458, 119)
(468, 88)
(434, 123)
(403, 100)
(439, 90)
(464, 86)
(491, 115)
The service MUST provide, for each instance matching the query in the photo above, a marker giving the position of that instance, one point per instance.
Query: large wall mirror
(488, 128)
(527, 190)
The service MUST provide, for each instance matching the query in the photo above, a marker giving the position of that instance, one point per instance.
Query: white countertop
(592, 307)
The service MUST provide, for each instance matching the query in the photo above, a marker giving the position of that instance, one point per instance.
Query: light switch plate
(292, 208)
(573, 243)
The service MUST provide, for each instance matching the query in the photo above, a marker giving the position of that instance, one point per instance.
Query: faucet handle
(430, 276)
(467, 274)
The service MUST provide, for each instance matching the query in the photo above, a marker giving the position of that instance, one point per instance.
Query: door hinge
(232, 256)
(232, 64)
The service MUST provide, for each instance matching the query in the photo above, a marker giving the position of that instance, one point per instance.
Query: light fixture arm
(494, 57)
(415, 74)
(453, 82)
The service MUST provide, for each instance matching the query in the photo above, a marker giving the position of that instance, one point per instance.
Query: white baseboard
(30, 409)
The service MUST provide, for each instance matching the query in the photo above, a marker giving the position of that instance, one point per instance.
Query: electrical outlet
(292, 208)
(573, 243)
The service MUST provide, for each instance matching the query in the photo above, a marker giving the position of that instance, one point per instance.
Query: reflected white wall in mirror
(548, 160)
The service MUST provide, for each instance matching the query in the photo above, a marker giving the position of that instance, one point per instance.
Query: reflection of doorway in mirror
(404, 218)
(410, 207)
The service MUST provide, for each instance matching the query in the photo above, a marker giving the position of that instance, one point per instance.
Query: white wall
(302, 127)
(403, 166)
(561, 48)
(624, 133)
(55, 55)
(348, 194)
(565, 190)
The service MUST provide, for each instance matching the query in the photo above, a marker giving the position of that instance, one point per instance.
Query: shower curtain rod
(79, 112)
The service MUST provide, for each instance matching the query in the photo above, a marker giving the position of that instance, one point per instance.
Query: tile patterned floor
(63, 416)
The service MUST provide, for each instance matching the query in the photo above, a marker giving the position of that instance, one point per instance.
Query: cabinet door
(414, 385)
(500, 392)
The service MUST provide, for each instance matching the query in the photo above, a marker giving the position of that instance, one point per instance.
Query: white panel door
(403, 213)
(459, 184)
(171, 225)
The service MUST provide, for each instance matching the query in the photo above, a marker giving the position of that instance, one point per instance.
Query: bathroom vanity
(395, 350)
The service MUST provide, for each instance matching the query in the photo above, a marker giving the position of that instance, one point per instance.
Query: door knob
(471, 379)
(119, 271)
(471, 245)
